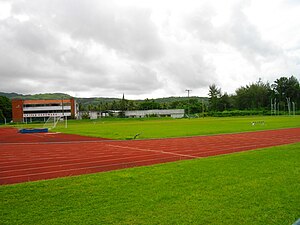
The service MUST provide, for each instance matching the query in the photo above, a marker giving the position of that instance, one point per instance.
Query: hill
(35, 96)
(9, 95)
(174, 99)
(94, 100)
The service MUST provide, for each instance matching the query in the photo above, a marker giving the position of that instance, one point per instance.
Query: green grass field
(166, 127)
(254, 187)
(115, 128)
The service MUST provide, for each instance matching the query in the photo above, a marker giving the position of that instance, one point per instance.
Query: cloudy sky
(145, 48)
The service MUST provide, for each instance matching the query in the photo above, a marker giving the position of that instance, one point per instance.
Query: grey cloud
(27, 37)
(189, 69)
(136, 79)
(26, 68)
(25, 49)
(121, 34)
(199, 23)
(78, 60)
(127, 30)
(238, 33)
(101, 47)
(246, 39)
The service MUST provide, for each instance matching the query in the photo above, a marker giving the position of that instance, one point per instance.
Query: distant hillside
(83, 101)
(92, 101)
(9, 95)
(35, 96)
(95, 101)
(174, 99)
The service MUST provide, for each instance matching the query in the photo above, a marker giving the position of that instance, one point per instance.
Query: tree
(5, 109)
(287, 88)
(115, 105)
(280, 87)
(254, 96)
(132, 105)
(123, 104)
(81, 107)
(194, 105)
(147, 104)
(225, 102)
(214, 94)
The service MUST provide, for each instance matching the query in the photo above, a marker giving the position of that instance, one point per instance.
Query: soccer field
(167, 127)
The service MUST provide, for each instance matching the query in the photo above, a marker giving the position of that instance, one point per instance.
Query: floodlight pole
(275, 106)
(288, 100)
(188, 91)
(271, 106)
(293, 108)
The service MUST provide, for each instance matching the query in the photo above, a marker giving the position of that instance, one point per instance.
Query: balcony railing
(46, 108)
(28, 115)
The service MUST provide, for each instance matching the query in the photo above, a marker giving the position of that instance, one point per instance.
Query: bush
(238, 113)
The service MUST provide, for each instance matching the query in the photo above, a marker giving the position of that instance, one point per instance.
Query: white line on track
(84, 168)
(156, 151)
(54, 142)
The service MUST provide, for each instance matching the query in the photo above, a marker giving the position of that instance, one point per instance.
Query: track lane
(78, 155)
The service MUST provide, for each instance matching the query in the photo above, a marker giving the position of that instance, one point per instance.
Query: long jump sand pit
(39, 156)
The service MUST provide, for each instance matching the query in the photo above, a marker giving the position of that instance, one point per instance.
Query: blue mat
(35, 130)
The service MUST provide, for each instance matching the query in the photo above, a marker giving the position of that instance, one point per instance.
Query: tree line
(281, 96)
(122, 105)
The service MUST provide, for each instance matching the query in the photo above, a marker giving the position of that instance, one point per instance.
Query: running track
(30, 157)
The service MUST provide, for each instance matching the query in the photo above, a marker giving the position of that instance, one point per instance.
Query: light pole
(293, 108)
(63, 112)
(289, 105)
(188, 91)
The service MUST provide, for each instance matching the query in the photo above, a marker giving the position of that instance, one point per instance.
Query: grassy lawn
(166, 127)
(255, 187)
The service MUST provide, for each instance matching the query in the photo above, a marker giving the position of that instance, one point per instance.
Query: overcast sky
(145, 49)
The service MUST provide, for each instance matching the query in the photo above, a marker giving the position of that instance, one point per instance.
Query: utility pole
(188, 91)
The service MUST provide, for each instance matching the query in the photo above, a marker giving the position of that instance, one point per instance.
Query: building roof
(46, 101)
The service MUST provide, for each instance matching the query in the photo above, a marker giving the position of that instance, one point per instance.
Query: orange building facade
(28, 110)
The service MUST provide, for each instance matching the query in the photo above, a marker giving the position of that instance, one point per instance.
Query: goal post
(52, 122)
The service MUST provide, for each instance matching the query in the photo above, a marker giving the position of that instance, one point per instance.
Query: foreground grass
(255, 187)
(161, 128)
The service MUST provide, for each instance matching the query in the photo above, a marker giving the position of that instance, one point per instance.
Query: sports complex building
(41, 110)
(174, 113)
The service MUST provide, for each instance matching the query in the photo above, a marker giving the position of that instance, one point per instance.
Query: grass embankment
(255, 187)
(166, 127)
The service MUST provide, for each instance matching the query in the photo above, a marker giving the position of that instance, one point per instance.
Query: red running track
(30, 157)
